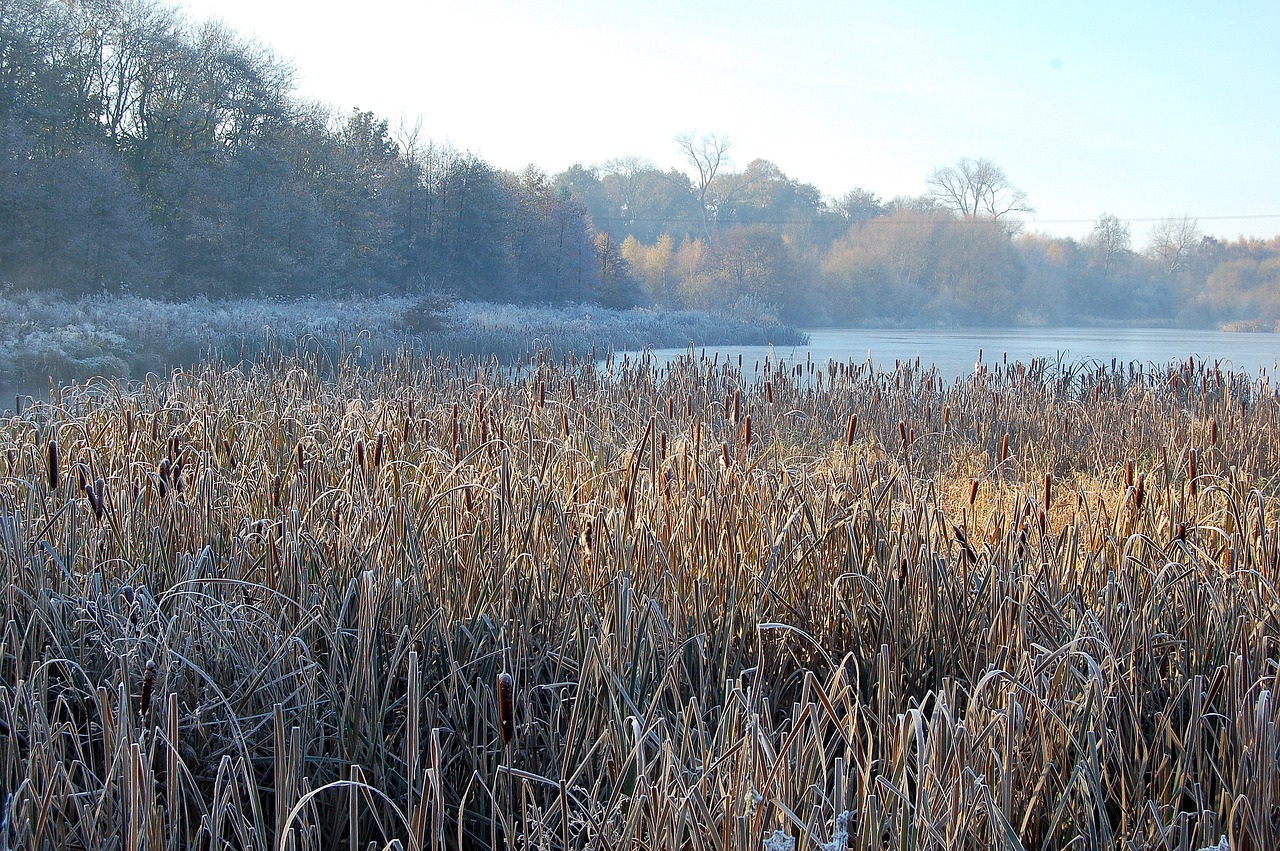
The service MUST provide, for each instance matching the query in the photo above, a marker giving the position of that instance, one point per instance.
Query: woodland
(146, 154)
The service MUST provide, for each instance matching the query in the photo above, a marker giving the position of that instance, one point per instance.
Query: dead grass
(443, 604)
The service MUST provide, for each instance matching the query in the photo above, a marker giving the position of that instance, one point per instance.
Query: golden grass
(443, 604)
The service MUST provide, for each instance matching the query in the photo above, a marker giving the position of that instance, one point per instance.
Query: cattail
(973, 492)
(746, 432)
(1213, 431)
(1004, 448)
(725, 449)
(1139, 490)
(148, 682)
(1128, 474)
(737, 406)
(946, 416)
(768, 392)
(902, 432)
(853, 428)
(506, 708)
(1191, 470)
(95, 494)
(360, 454)
(300, 459)
(378, 449)
(55, 475)
(1048, 490)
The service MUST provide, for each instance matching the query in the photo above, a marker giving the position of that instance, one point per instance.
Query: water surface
(955, 352)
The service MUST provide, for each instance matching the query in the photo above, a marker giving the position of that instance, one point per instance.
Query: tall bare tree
(1109, 243)
(706, 153)
(975, 189)
(1172, 241)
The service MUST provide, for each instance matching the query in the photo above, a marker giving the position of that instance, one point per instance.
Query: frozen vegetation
(43, 337)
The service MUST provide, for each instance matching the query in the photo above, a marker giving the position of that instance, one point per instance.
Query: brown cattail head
(96, 495)
(1048, 490)
(1004, 448)
(55, 475)
(746, 432)
(902, 432)
(946, 416)
(360, 454)
(973, 492)
(1191, 470)
(148, 683)
(1213, 432)
(853, 428)
(1128, 474)
(506, 708)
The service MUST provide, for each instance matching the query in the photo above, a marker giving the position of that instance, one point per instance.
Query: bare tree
(706, 153)
(976, 189)
(1172, 241)
(1109, 243)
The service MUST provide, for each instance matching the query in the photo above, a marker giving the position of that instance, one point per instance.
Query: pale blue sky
(1138, 109)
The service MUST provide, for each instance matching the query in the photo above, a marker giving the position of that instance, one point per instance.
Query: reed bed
(450, 604)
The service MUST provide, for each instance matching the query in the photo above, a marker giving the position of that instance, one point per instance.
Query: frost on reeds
(286, 606)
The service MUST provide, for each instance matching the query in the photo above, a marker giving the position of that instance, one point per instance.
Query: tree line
(141, 152)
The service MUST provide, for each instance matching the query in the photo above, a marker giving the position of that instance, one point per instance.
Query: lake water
(955, 352)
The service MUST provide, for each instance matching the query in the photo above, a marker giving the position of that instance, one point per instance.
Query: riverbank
(45, 339)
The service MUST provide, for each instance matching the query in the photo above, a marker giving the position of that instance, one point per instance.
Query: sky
(1138, 109)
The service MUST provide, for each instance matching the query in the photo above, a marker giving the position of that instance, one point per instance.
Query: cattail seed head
(1048, 490)
(1128, 474)
(973, 492)
(853, 428)
(55, 475)
(148, 683)
(1004, 448)
(506, 708)
(1213, 432)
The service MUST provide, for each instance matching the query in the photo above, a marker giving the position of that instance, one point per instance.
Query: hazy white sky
(1138, 109)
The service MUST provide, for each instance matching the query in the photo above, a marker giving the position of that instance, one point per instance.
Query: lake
(955, 352)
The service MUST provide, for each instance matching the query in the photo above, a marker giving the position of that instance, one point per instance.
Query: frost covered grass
(118, 337)
(435, 604)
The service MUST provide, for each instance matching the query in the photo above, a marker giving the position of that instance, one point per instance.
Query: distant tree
(1109, 243)
(1172, 242)
(977, 189)
(707, 154)
(858, 205)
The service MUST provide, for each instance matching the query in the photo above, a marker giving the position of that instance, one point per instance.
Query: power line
(888, 219)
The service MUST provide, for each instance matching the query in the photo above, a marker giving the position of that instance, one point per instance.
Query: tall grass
(442, 604)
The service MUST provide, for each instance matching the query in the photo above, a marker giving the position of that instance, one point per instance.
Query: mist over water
(956, 352)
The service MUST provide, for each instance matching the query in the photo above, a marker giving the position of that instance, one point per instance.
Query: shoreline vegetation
(439, 603)
(48, 338)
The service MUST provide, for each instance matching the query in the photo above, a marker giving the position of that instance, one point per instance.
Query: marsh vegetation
(440, 604)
